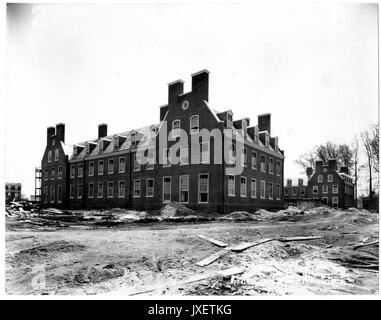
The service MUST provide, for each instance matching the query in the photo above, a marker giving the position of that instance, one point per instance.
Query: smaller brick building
(12, 191)
(328, 183)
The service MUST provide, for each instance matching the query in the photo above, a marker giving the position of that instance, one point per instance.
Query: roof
(68, 149)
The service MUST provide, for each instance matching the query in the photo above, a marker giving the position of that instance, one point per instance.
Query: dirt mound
(56, 246)
(176, 209)
(239, 216)
(96, 274)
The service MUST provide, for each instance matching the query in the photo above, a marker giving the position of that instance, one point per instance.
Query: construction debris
(216, 242)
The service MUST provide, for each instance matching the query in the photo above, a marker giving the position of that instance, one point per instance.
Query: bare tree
(356, 168)
(367, 138)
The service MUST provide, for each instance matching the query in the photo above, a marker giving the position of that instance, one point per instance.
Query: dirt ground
(160, 258)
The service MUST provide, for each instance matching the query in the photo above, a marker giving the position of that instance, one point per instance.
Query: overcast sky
(312, 66)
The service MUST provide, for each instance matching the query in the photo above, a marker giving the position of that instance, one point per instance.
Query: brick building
(326, 182)
(12, 191)
(178, 159)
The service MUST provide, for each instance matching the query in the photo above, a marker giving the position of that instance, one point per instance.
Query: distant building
(327, 183)
(12, 191)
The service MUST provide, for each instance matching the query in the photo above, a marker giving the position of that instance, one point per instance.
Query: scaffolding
(37, 184)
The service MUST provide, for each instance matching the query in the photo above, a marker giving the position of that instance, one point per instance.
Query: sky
(314, 67)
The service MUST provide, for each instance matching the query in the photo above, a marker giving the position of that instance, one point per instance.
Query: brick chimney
(264, 122)
(300, 182)
(344, 170)
(102, 130)
(49, 133)
(175, 88)
(309, 172)
(332, 163)
(60, 132)
(200, 84)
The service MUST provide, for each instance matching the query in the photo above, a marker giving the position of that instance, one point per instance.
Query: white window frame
(52, 194)
(79, 194)
(199, 195)
(185, 190)
(263, 169)
(271, 191)
(100, 172)
(277, 191)
(52, 173)
(108, 168)
(60, 173)
(122, 169)
(148, 188)
(186, 162)
(335, 203)
(50, 156)
(315, 189)
(56, 155)
(72, 191)
(170, 190)
(335, 186)
(194, 131)
(271, 165)
(262, 183)
(119, 189)
(80, 172)
(136, 183)
(166, 158)
(253, 190)
(176, 131)
(231, 191)
(304, 191)
(102, 194)
(276, 168)
(254, 160)
(326, 189)
(203, 160)
(330, 177)
(91, 171)
(90, 196)
(242, 194)
(110, 183)
(320, 178)
(151, 158)
(59, 193)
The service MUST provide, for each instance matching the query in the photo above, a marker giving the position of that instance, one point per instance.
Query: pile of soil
(96, 274)
(239, 216)
(176, 209)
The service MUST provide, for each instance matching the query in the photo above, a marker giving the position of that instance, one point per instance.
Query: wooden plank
(299, 238)
(365, 244)
(213, 257)
(214, 241)
(246, 245)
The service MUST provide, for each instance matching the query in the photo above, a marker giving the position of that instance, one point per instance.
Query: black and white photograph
(182, 149)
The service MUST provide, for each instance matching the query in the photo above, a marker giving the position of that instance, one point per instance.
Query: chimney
(318, 163)
(50, 132)
(309, 172)
(102, 130)
(163, 111)
(200, 84)
(300, 182)
(289, 182)
(175, 88)
(60, 131)
(332, 163)
(344, 170)
(264, 122)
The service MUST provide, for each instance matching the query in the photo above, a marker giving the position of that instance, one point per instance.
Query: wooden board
(214, 241)
(213, 257)
(299, 238)
(246, 245)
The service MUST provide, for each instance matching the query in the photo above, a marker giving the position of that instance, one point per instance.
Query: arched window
(176, 128)
(194, 124)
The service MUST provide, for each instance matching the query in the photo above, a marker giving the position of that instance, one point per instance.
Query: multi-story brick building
(12, 191)
(327, 183)
(195, 155)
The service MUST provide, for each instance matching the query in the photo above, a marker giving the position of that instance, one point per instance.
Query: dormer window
(88, 148)
(267, 140)
(75, 151)
(101, 146)
(194, 124)
(116, 143)
(176, 128)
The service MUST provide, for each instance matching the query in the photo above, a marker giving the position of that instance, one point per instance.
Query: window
(294, 191)
(45, 194)
(232, 153)
(325, 189)
(149, 187)
(254, 160)
(194, 124)
(263, 189)
(231, 186)
(184, 189)
(320, 178)
(263, 163)
(59, 193)
(277, 191)
(176, 128)
(56, 155)
(335, 202)
(90, 193)
(330, 178)
(286, 192)
(110, 166)
(278, 167)
(151, 158)
(100, 189)
(253, 188)
(243, 187)
(91, 168)
(184, 155)
(72, 191)
(302, 191)
(53, 142)
(203, 188)
(166, 158)
(110, 189)
(49, 156)
(100, 168)
(122, 165)
(325, 199)
(244, 157)
(52, 194)
(116, 143)
(335, 189)
(60, 172)
(101, 144)
(121, 189)
(46, 174)
(53, 174)
(80, 170)
(79, 191)
(166, 189)
(136, 193)
(271, 166)
(315, 189)
(267, 140)
(271, 191)
(204, 152)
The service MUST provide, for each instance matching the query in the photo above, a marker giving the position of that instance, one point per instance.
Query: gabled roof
(67, 149)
